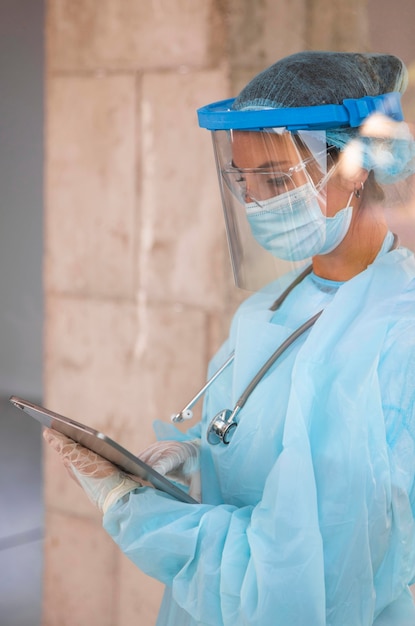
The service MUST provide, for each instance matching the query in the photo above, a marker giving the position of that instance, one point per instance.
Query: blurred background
(114, 277)
(21, 307)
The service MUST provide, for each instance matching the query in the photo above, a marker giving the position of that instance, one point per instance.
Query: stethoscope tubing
(222, 427)
(186, 413)
(275, 356)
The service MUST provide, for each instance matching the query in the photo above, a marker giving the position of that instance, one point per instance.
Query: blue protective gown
(308, 515)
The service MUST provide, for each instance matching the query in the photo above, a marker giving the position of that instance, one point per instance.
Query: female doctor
(307, 502)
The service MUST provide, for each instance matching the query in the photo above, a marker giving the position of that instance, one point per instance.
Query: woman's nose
(249, 193)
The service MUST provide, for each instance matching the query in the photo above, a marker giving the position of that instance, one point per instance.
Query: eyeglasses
(263, 183)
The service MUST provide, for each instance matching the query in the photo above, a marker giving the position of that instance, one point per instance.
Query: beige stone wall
(134, 279)
(137, 279)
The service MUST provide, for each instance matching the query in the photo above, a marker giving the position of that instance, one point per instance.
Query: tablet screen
(102, 445)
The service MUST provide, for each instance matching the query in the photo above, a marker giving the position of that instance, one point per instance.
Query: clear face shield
(273, 186)
(274, 168)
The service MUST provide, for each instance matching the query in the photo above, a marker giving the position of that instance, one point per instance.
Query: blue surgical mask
(292, 227)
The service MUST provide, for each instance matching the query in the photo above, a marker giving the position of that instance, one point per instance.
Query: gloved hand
(177, 460)
(102, 482)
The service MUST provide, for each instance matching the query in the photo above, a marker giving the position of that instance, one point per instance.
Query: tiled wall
(137, 279)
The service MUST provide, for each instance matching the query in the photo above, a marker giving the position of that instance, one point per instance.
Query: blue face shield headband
(350, 114)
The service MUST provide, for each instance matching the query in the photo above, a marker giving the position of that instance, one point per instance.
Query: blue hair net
(313, 78)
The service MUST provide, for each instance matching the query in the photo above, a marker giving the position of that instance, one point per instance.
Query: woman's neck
(358, 249)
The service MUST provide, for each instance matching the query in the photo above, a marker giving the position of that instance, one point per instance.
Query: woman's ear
(359, 181)
(350, 169)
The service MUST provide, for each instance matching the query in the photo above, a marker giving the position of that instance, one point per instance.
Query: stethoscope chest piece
(222, 428)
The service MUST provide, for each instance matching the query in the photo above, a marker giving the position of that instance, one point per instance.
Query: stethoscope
(223, 425)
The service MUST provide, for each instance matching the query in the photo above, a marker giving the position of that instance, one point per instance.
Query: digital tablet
(102, 445)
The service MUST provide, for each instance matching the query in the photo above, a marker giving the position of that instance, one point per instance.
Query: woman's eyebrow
(281, 163)
(265, 165)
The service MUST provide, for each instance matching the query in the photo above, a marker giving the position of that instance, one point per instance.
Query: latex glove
(177, 460)
(102, 481)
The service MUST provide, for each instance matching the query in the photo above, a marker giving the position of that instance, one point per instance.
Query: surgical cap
(312, 78)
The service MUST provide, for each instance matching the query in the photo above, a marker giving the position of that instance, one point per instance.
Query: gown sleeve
(227, 564)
